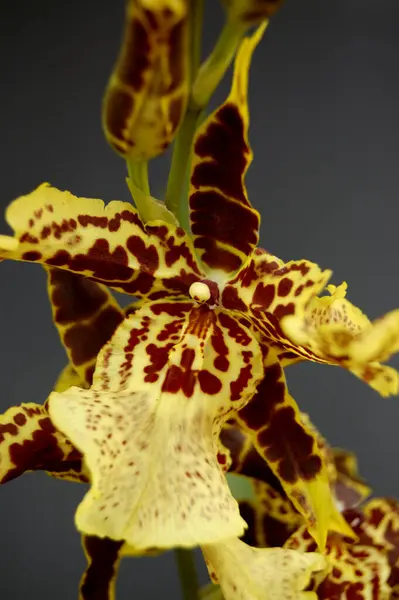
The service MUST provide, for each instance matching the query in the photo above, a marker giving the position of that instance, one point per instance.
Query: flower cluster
(159, 402)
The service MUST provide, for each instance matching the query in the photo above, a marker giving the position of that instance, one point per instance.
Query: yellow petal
(337, 332)
(247, 573)
(149, 427)
(107, 243)
(273, 421)
(30, 442)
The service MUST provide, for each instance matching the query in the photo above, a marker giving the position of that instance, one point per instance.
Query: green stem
(175, 197)
(138, 173)
(212, 71)
(181, 158)
(187, 573)
(205, 81)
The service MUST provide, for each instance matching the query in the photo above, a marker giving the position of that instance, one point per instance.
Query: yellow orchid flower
(185, 341)
(265, 507)
(367, 569)
(219, 318)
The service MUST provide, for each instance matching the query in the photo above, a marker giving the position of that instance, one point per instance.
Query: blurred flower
(251, 12)
(148, 90)
(363, 568)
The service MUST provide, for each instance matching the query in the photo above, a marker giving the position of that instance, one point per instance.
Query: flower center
(200, 291)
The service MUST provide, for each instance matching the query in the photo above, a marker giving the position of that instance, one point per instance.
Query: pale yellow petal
(247, 573)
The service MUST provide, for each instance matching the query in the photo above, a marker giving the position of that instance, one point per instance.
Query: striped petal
(290, 447)
(85, 315)
(108, 244)
(162, 388)
(247, 573)
(223, 222)
(30, 442)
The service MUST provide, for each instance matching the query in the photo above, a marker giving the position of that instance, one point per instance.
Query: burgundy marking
(74, 297)
(224, 143)
(84, 341)
(28, 238)
(221, 361)
(282, 311)
(159, 358)
(31, 256)
(209, 383)
(42, 452)
(239, 385)
(86, 220)
(103, 556)
(20, 419)
(270, 393)
(174, 309)
(235, 330)
(264, 295)
(216, 217)
(147, 257)
(7, 428)
(231, 300)
(284, 287)
(292, 450)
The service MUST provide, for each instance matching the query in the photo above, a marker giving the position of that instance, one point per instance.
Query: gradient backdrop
(324, 104)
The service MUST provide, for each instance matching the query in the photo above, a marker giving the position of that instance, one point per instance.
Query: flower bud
(148, 90)
(251, 12)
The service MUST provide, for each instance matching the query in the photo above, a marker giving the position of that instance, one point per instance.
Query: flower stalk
(185, 560)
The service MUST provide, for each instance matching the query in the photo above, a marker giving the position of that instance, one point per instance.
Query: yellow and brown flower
(217, 321)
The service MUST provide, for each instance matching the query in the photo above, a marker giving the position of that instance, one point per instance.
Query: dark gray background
(324, 104)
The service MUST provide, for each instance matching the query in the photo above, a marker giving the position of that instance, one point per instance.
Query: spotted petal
(247, 573)
(30, 442)
(162, 387)
(267, 290)
(223, 222)
(290, 447)
(109, 243)
(356, 570)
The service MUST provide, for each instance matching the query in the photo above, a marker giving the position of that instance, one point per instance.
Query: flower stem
(187, 573)
(205, 80)
(213, 69)
(181, 158)
(138, 173)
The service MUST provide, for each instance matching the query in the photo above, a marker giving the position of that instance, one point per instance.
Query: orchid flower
(363, 568)
(140, 410)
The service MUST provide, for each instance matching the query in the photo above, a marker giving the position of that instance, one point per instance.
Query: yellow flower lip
(199, 291)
